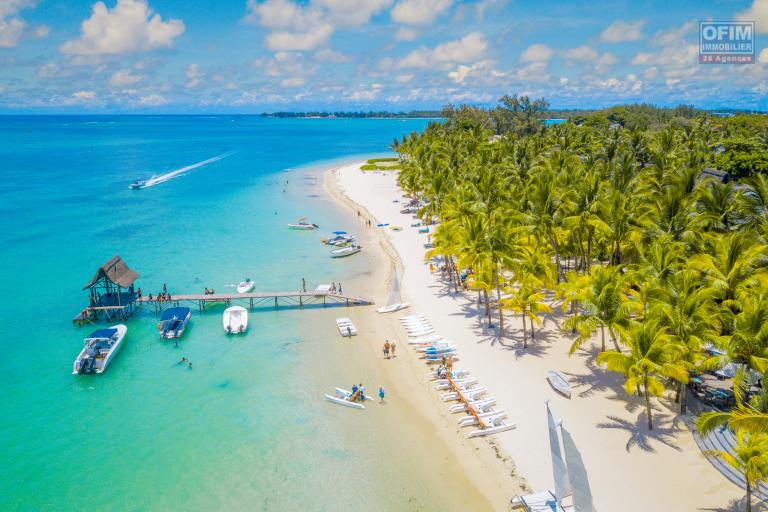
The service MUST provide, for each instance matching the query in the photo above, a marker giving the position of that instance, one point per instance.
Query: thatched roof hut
(116, 271)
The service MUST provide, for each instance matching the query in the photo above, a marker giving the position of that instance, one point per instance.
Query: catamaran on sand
(99, 349)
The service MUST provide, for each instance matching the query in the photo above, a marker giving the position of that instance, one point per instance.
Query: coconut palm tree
(651, 356)
(749, 457)
(605, 306)
(526, 298)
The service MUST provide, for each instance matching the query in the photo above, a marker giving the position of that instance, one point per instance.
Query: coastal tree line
(617, 217)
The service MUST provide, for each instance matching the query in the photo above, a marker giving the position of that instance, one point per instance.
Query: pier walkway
(259, 299)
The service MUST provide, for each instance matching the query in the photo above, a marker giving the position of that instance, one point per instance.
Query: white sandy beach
(629, 467)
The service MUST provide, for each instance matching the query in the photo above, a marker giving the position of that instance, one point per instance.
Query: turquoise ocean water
(246, 428)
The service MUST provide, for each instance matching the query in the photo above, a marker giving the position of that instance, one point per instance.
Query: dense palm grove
(663, 264)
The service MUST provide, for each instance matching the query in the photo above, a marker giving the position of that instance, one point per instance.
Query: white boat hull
(346, 327)
(246, 286)
(393, 307)
(235, 320)
(558, 381)
(345, 403)
(108, 357)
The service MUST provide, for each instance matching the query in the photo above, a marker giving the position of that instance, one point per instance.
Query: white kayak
(467, 394)
(346, 327)
(459, 383)
(246, 286)
(490, 417)
(558, 381)
(345, 403)
(479, 405)
(393, 307)
(235, 320)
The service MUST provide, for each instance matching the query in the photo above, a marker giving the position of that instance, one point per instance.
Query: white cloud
(42, 31)
(642, 58)
(462, 72)
(299, 41)
(763, 57)
(469, 48)
(194, 76)
(419, 12)
(364, 94)
(293, 82)
(581, 53)
(84, 95)
(124, 78)
(281, 14)
(620, 31)
(533, 72)
(12, 26)
(760, 88)
(758, 13)
(606, 60)
(152, 100)
(130, 27)
(404, 78)
(672, 35)
(352, 12)
(537, 53)
(327, 55)
(406, 34)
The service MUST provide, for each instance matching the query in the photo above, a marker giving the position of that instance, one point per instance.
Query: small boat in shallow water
(235, 320)
(173, 322)
(246, 286)
(99, 349)
(303, 224)
(345, 251)
(346, 327)
(558, 381)
(344, 402)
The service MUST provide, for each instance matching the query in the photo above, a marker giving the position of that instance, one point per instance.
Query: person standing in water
(381, 394)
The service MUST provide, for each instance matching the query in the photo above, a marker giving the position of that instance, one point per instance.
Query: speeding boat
(99, 349)
(173, 322)
(303, 224)
(246, 286)
(345, 251)
(138, 184)
(235, 320)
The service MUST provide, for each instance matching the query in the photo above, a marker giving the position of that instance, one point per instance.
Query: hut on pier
(110, 293)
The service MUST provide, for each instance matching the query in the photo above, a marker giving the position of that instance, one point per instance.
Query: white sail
(577, 473)
(560, 473)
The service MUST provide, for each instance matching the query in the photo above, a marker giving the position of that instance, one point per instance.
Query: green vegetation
(390, 164)
(413, 114)
(613, 212)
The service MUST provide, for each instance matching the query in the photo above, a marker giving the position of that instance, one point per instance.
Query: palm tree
(605, 307)
(748, 344)
(526, 298)
(651, 355)
(749, 457)
(573, 290)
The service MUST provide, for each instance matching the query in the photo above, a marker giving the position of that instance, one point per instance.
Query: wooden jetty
(260, 299)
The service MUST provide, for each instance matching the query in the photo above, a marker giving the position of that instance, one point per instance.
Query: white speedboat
(99, 349)
(558, 381)
(303, 224)
(235, 320)
(393, 307)
(344, 402)
(246, 286)
(345, 251)
(346, 327)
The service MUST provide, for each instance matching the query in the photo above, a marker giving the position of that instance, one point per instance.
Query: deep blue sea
(246, 428)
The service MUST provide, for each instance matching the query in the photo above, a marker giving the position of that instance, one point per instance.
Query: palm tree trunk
(602, 337)
(525, 332)
(647, 401)
(683, 392)
(487, 307)
(498, 301)
(749, 497)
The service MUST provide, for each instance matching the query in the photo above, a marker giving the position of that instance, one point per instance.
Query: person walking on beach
(386, 349)
(392, 348)
(361, 391)
(333, 287)
(340, 292)
(303, 285)
(381, 394)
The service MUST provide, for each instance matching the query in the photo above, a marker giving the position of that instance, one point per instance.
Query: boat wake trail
(156, 180)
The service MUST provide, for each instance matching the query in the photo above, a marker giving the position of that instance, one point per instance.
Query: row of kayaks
(101, 346)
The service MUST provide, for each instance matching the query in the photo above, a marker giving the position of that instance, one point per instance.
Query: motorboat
(138, 184)
(246, 286)
(345, 251)
(173, 322)
(99, 348)
(339, 240)
(558, 381)
(346, 327)
(235, 320)
(303, 224)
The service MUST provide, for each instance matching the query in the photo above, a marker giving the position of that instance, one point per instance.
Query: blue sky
(267, 55)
